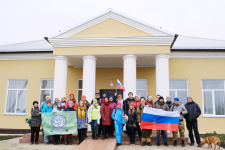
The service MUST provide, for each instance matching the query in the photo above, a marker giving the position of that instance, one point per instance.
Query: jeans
(119, 130)
(158, 136)
(36, 131)
(94, 127)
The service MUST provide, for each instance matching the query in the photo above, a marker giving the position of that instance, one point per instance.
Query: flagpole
(116, 87)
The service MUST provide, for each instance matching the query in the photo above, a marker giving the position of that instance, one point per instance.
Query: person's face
(131, 107)
(63, 99)
(97, 95)
(119, 106)
(47, 98)
(176, 102)
(83, 98)
(119, 98)
(157, 97)
(36, 105)
(136, 98)
(56, 100)
(81, 104)
(70, 104)
(130, 95)
(161, 100)
(143, 101)
(95, 103)
(149, 99)
(59, 105)
(189, 100)
(110, 99)
(71, 97)
(104, 95)
(48, 105)
(168, 99)
(107, 100)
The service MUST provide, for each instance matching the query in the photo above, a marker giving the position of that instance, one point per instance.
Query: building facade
(88, 57)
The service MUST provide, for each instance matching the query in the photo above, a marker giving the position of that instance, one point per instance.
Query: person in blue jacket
(47, 109)
(44, 104)
(117, 116)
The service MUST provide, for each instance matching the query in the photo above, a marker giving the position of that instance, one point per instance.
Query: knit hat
(83, 96)
(35, 102)
(95, 100)
(161, 98)
(72, 94)
(48, 102)
(59, 103)
(176, 99)
(110, 96)
(119, 104)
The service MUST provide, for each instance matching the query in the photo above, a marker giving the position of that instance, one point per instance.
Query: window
(179, 88)
(141, 87)
(46, 89)
(213, 98)
(79, 88)
(16, 97)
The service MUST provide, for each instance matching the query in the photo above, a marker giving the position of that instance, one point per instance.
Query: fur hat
(35, 102)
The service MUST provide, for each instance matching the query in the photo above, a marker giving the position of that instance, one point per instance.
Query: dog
(211, 139)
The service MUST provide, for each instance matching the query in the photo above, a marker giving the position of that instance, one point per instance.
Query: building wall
(33, 71)
(195, 70)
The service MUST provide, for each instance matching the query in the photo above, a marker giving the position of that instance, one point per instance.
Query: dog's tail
(219, 142)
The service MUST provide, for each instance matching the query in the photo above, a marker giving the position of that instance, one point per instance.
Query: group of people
(107, 114)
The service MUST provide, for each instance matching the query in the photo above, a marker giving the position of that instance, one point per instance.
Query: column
(60, 77)
(162, 74)
(129, 74)
(89, 76)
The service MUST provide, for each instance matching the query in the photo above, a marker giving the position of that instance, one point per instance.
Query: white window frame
(40, 89)
(78, 88)
(213, 99)
(7, 89)
(143, 89)
(175, 90)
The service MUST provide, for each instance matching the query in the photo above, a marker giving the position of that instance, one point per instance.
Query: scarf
(79, 112)
(95, 106)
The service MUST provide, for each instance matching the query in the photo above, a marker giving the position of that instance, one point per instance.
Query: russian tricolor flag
(119, 85)
(159, 119)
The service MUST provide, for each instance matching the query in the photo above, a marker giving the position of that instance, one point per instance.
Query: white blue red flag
(119, 85)
(159, 119)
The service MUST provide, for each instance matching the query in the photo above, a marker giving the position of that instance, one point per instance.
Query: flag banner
(159, 119)
(119, 85)
(59, 123)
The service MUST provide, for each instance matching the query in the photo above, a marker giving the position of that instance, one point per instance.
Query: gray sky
(28, 20)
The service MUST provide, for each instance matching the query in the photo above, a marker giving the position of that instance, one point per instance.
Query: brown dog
(211, 139)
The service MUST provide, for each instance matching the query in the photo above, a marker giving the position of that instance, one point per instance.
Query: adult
(54, 105)
(149, 101)
(63, 101)
(194, 112)
(131, 123)
(112, 105)
(129, 100)
(137, 101)
(35, 123)
(168, 101)
(178, 106)
(72, 99)
(86, 103)
(117, 116)
(157, 98)
(106, 118)
(44, 104)
(162, 105)
(120, 99)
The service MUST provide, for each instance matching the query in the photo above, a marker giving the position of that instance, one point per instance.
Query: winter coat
(179, 107)
(139, 113)
(169, 104)
(57, 109)
(94, 113)
(106, 113)
(112, 105)
(99, 100)
(44, 105)
(161, 104)
(193, 111)
(117, 115)
(74, 104)
(54, 105)
(47, 110)
(132, 119)
(136, 103)
(150, 103)
(81, 121)
(69, 109)
(35, 117)
(127, 102)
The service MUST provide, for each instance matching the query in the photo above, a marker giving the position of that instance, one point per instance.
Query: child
(117, 116)
(82, 121)
(131, 123)
(72, 99)
(55, 103)
(94, 117)
(106, 117)
(48, 109)
(68, 137)
(35, 123)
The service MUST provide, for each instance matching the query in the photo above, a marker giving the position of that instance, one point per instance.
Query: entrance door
(111, 92)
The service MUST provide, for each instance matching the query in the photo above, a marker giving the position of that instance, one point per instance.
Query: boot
(166, 144)
(175, 143)
(65, 141)
(149, 144)
(93, 136)
(143, 144)
(69, 141)
(182, 143)
(96, 137)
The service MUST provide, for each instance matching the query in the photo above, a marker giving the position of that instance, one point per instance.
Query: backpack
(195, 107)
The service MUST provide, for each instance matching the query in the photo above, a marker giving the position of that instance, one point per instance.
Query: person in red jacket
(106, 117)
(136, 102)
(72, 99)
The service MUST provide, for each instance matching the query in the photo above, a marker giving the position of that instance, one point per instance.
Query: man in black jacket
(194, 112)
